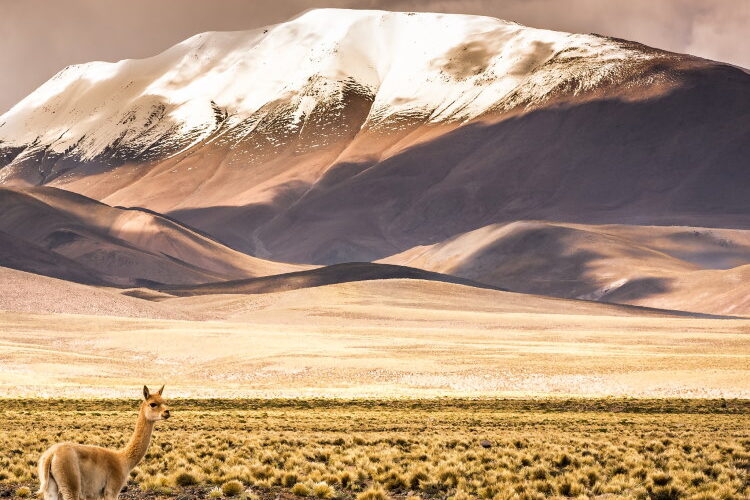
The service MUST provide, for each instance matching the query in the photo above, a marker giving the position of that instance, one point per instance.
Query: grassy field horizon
(373, 449)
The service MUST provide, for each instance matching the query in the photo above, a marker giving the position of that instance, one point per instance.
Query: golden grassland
(375, 449)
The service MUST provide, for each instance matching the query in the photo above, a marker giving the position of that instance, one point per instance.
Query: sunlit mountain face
(431, 140)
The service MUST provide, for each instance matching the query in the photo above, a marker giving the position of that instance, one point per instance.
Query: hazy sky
(40, 37)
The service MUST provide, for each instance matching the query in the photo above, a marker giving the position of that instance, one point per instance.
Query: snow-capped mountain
(430, 68)
(362, 133)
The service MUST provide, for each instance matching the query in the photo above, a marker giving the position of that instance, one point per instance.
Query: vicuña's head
(153, 406)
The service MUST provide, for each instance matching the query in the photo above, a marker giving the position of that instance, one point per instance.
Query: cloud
(718, 34)
(40, 37)
(715, 29)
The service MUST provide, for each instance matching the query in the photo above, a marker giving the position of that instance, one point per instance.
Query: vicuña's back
(81, 471)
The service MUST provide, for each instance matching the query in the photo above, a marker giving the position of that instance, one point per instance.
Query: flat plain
(382, 338)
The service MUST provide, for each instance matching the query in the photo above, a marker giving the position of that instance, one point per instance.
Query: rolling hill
(65, 235)
(672, 267)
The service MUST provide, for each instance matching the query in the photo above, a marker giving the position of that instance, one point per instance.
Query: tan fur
(77, 472)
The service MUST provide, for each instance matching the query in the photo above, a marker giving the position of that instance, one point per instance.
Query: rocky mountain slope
(388, 130)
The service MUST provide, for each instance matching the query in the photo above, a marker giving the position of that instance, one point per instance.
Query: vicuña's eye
(154, 405)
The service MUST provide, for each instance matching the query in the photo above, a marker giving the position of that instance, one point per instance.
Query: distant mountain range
(578, 166)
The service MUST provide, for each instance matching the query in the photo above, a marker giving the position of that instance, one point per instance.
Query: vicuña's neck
(138, 444)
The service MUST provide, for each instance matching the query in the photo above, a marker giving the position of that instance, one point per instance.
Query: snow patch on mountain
(434, 68)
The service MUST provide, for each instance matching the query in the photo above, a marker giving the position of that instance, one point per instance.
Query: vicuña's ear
(160, 390)
(146, 393)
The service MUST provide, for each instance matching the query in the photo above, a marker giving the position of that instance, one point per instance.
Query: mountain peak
(437, 67)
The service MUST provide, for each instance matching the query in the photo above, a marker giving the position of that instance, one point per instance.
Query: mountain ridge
(196, 91)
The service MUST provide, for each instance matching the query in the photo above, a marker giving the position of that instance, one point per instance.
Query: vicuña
(78, 471)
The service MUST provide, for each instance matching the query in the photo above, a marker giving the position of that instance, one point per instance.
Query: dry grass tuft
(373, 493)
(323, 490)
(301, 490)
(184, 479)
(23, 492)
(232, 488)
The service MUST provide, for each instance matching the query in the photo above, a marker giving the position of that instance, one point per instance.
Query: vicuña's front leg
(117, 481)
(111, 495)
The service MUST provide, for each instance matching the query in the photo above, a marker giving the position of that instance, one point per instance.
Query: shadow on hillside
(547, 260)
(234, 226)
(338, 273)
(537, 260)
(641, 288)
(673, 159)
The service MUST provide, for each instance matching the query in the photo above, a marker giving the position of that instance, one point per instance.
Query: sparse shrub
(415, 478)
(288, 480)
(448, 476)
(232, 488)
(699, 479)
(618, 469)
(539, 472)
(393, 481)
(346, 479)
(665, 493)
(569, 487)
(373, 493)
(563, 461)
(323, 490)
(301, 490)
(157, 483)
(661, 479)
(488, 492)
(185, 479)
(641, 473)
(23, 492)
(215, 493)
(264, 483)
(543, 486)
